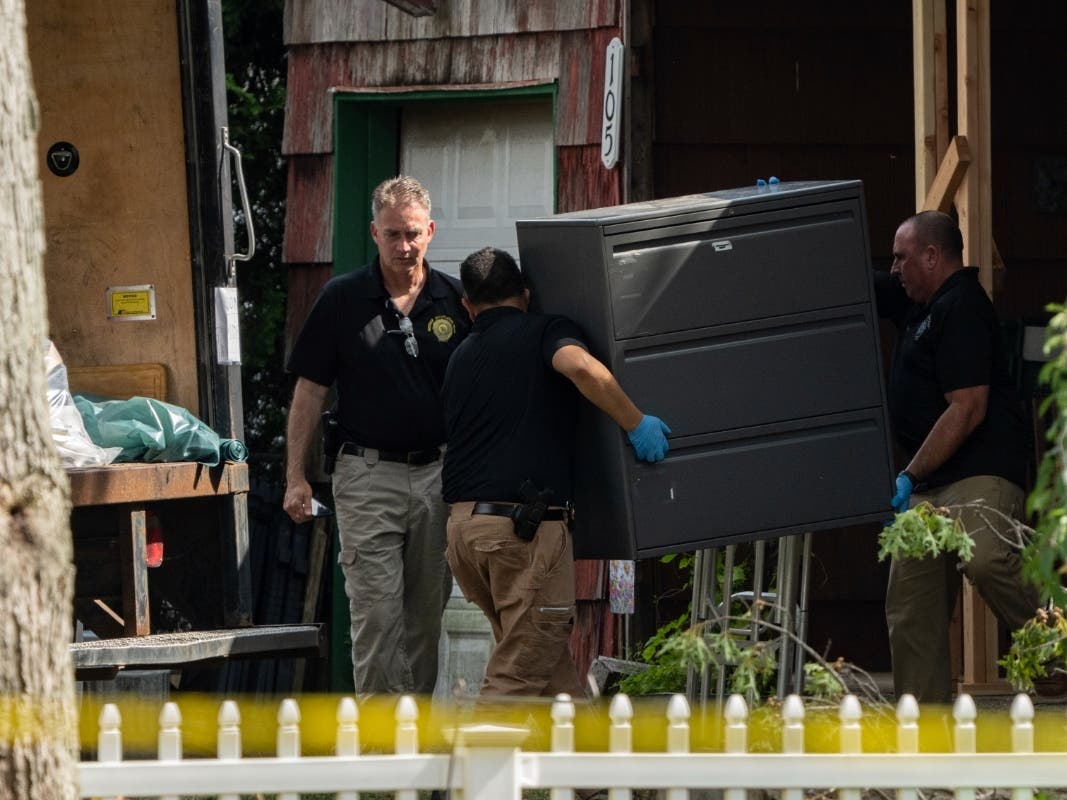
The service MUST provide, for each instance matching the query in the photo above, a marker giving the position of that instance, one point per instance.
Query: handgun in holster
(528, 514)
(331, 441)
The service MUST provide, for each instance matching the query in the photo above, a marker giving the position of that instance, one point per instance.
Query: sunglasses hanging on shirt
(406, 329)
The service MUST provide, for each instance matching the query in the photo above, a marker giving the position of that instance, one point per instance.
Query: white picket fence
(487, 762)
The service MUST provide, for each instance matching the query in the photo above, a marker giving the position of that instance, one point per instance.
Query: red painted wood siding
(309, 212)
(575, 59)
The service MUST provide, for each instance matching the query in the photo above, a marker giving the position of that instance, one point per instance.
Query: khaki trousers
(391, 523)
(922, 592)
(526, 590)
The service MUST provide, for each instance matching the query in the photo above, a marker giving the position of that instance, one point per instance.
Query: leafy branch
(1045, 558)
(924, 531)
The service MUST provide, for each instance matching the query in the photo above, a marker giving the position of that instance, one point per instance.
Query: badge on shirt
(443, 327)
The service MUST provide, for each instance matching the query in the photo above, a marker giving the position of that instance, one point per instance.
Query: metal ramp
(102, 658)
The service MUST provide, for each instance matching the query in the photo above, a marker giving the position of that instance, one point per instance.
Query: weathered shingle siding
(575, 59)
(309, 214)
(323, 21)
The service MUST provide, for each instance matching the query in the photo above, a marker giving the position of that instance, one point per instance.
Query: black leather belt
(416, 458)
(553, 514)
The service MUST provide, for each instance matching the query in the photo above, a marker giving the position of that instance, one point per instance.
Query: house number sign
(612, 128)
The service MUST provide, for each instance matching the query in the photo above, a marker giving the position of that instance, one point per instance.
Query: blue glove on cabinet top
(903, 496)
(649, 439)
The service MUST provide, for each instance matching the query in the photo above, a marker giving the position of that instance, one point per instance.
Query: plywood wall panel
(108, 80)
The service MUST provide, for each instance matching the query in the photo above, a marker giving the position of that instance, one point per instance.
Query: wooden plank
(974, 195)
(949, 176)
(980, 646)
(236, 565)
(931, 93)
(923, 72)
(139, 483)
(317, 550)
(987, 256)
(134, 571)
(316, 565)
(941, 109)
(121, 381)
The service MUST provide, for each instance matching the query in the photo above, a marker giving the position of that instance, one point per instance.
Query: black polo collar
(370, 284)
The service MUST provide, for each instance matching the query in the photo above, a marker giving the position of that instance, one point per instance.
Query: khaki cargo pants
(526, 590)
(391, 523)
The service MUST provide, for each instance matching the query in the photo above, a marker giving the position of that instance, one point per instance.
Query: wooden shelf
(143, 483)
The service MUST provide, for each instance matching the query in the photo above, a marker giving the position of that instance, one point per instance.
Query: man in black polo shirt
(956, 416)
(511, 398)
(383, 335)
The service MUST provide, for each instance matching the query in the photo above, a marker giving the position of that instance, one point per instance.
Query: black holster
(528, 514)
(331, 441)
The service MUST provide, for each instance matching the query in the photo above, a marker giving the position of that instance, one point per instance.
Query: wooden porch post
(959, 172)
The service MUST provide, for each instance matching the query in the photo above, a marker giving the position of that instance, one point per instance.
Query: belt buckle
(568, 512)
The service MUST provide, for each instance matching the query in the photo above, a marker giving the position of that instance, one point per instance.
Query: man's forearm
(303, 420)
(597, 385)
(966, 410)
(945, 438)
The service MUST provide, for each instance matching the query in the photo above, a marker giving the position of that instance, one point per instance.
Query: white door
(486, 164)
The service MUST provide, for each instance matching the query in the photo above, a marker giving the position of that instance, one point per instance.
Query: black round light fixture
(62, 159)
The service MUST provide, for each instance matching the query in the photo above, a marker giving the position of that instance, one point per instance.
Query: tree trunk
(37, 713)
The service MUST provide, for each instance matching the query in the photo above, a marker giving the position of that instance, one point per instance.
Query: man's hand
(297, 502)
(901, 499)
(649, 439)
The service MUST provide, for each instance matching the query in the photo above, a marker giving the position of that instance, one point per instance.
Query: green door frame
(366, 137)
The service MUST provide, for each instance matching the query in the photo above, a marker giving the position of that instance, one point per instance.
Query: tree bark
(38, 718)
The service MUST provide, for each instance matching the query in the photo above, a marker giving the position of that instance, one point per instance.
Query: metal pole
(802, 610)
(786, 620)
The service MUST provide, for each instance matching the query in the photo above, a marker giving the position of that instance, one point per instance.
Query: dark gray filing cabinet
(745, 319)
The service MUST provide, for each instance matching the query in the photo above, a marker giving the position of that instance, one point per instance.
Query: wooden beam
(974, 198)
(152, 482)
(941, 109)
(922, 31)
(950, 174)
(930, 86)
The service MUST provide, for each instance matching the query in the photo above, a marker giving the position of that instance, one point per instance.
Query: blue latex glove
(903, 496)
(649, 439)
